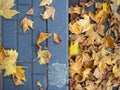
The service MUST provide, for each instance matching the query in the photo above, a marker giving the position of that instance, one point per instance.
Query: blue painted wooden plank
(24, 47)
(37, 68)
(59, 26)
(8, 84)
(22, 10)
(56, 79)
(28, 72)
(9, 34)
(24, 1)
(42, 79)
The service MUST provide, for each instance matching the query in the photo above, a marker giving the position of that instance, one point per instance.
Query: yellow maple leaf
(45, 2)
(5, 8)
(26, 24)
(49, 13)
(2, 55)
(44, 56)
(10, 62)
(19, 75)
(74, 48)
(42, 37)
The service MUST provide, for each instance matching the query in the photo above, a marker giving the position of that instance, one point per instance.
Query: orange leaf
(56, 38)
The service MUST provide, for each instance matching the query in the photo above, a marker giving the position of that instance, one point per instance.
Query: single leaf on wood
(44, 56)
(26, 24)
(30, 12)
(49, 13)
(19, 75)
(39, 85)
(42, 37)
(5, 9)
(45, 2)
(56, 38)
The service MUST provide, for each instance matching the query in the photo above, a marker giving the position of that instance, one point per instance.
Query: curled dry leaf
(26, 24)
(42, 37)
(44, 56)
(30, 12)
(49, 13)
(19, 75)
(39, 85)
(80, 26)
(5, 9)
(56, 38)
(45, 2)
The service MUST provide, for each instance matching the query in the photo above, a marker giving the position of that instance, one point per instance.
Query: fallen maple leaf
(2, 55)
(5, 9)
(30, 12)
(42, 37)
(74, 48)
(19, 75)
(26, 24)
(45, 2)
(80, 26)
(10, 62)
(56, 38)
(39, 85)
(44, 56)
(49, 13)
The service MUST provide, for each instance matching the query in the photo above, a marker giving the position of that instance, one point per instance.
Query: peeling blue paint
(58, 74)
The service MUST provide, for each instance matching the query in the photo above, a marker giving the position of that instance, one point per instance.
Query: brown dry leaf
(116, 70)
(97, 74)
(26, 24)
(39, 85)
(42, 37)
(102, 66)
(2, 54)
(108, 41)
(19, 75)
(49, 13)
(45, 2)
(75, 9)
(30, 12)
(93, 37)
(44, 56)
(80, 26)
(56, 38)
(5, 9)
(10, 62)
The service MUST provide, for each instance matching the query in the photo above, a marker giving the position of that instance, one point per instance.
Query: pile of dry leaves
(94, 52)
